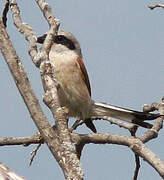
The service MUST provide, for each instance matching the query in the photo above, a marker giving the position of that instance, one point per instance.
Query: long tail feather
(102, 110)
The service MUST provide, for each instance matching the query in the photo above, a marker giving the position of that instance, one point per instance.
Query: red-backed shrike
(74, 88)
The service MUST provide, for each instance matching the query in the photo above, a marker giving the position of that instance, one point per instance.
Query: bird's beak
(41, 39)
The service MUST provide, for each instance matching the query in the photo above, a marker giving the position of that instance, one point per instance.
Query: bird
(74, 90)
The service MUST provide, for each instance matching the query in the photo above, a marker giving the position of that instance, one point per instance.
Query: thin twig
(25, 141)
(137, 160)
(76, 124)
(33, 153)
(155, 6)
(122, 124)
(158, 124)
(4, 14)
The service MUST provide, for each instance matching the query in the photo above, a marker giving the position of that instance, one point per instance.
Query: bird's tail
(102, 111)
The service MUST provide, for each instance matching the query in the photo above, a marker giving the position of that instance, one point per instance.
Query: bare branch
(79, 148)
(153, 132)
(22, 82)
(29, 34)
(34, 152)
(26, 91)
(158, 124)
(46, 9)
(24, 28)
(7, 174)
(150, 108)
(4, 14)
(128, 126)
(76, 124)
(121, 124)
(54, 25)
(155, 106)
(69, 161)
(59, 139)
(155, 6)
(62, 147)
(135, 144)
(137, 160)
(25, 141)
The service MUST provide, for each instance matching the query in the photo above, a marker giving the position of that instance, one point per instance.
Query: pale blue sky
(123, 48)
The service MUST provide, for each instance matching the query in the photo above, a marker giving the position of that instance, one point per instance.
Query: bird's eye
(61, 39)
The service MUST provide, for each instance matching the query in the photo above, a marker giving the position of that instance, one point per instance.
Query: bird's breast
(73, 92)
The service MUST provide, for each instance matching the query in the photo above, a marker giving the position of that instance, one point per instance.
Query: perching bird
(74, 87)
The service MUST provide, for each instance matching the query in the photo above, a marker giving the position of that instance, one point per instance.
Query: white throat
(60, 51)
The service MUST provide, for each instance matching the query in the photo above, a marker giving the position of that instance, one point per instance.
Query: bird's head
(63, 41)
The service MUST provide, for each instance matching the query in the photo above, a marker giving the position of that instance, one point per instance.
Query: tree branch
(69, 160)
(137, 160)
(128, 126)
(4, 14)
(155, 6)
(25, 141)
(7, 174)
(158, 124)
(22, 82)
(135, 144)
(59, 139)
(60, 142)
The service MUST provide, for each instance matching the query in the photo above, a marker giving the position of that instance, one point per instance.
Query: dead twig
(33, 153)
(4, 14)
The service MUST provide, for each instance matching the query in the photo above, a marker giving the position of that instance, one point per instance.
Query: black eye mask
(59, 39)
